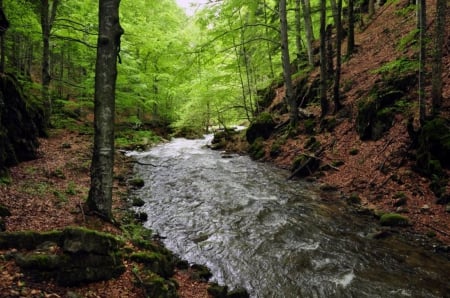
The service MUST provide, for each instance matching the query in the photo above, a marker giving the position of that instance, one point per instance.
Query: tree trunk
(323, 60)
(108, 46)
(269, 44)
(351, 28)
(298, 30)
(4, 27)
(337, 74)
(48, 15)
(440, 33)
(309, 33)
(371, 8)
(422, 58)
(286, 61)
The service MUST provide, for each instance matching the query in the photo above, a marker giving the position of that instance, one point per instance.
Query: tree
(351, 28)
(108, 47)
(286, 61)
(4, 25)
(309, 33)
(48, 14)
(436, 81)
(422, 28)
(323, 59)
(337, 73)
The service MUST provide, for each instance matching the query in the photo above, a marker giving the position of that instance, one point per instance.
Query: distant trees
(108, 47)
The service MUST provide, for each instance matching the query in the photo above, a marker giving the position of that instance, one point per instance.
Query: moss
(155, 285)
(261, 127)
(136, 182)
(201, 272)
(28, 239)
(217, 291)
(77, 239)
(354, 199)
(256, 149)
(393, 219)
(156, 262)
(310, 125)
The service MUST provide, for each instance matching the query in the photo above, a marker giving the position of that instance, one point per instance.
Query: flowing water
(276, 238)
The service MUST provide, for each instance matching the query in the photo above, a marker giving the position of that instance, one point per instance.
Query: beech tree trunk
(108, 47)
(298, 30)
(48, 15)
(422, 58)
(439, 35)
(309, 33)
(286, 61)
(323, 60)
(337, 73)
(351, 28)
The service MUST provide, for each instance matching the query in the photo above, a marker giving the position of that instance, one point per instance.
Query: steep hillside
(378, 165)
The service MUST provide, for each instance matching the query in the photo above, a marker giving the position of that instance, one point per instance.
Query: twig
(82, 212)
(141, 282)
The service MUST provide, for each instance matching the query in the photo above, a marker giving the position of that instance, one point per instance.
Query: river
(276, 238)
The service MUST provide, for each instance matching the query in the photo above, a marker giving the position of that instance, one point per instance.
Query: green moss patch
(393, 219)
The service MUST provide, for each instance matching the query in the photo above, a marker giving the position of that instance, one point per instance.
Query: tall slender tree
(351, 28)
(286, 61)
(309, 33)
(48, 11)
(108, 47)
(323, 59)
(422, 28)
(439, 34)
(337, 73)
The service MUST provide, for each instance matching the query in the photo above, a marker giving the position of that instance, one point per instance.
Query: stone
(4, 211)
(238, 293)
(393, 219)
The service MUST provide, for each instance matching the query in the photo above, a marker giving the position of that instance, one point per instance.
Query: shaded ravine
(274, 237)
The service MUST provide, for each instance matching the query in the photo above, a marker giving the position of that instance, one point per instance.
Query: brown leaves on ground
(379, 170)
(47, 194)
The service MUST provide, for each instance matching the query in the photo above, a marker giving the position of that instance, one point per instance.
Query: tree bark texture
(422, 28)
(48, 15)
(439, 39)
(337, 73)
(309, 33)
(286, 61)
(351, 28)
(323, 59)
(108, 46)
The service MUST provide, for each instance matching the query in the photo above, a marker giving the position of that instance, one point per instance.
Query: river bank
(46, 194)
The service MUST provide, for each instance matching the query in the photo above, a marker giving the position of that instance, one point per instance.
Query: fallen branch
(306, 164)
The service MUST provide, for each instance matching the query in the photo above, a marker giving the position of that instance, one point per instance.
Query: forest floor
(47, 194)
(380, 171)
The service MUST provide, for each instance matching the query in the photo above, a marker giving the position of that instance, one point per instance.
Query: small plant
(71, 188)
(353, 151)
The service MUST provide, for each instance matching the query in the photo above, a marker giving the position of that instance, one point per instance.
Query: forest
(352, 96)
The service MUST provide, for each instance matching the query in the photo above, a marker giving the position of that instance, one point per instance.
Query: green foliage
(397, 66)
(408, 40)
(256, 149)
(131, 139)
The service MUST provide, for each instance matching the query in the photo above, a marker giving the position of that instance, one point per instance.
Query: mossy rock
(256, 149)
(217, 291)
(155, 262)
(81, 240)
(136, 182)
(137, 202)
(238, 293)
(393, 219)
(28, 239)
(155, 286)
(261, 127)
(201, 272)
